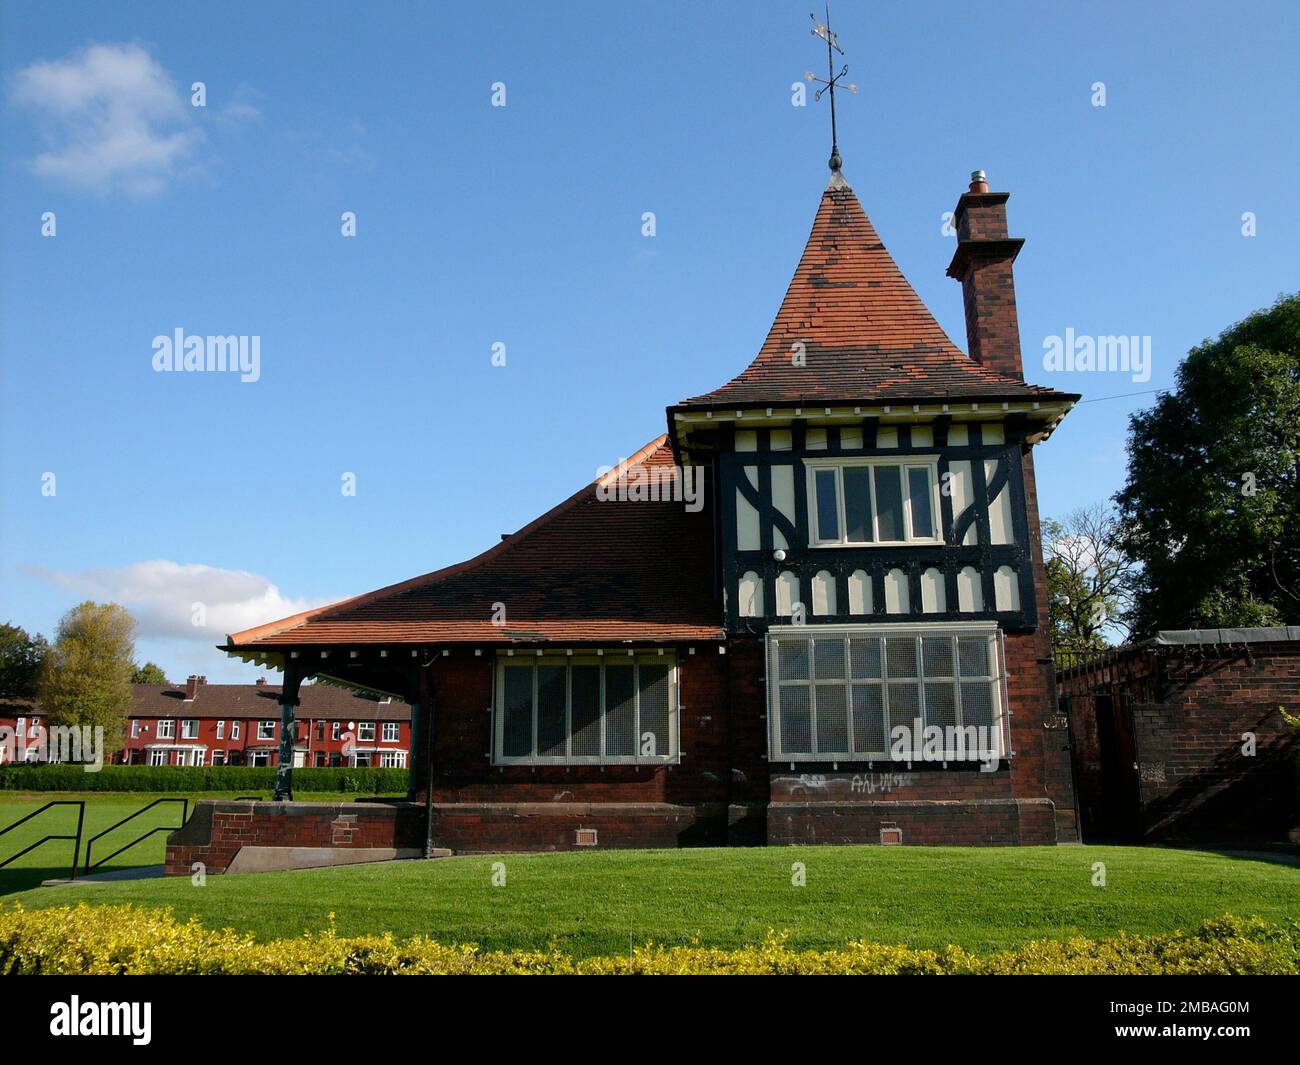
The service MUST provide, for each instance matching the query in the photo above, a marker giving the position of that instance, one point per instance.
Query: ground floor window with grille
(586, 709)
(886, 693)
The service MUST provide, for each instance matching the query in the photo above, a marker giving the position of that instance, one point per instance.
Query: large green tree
(1211, 509)
(21, 656)
(86, 679)
(149, 673)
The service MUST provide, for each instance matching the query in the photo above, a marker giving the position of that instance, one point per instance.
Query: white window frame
(997, 683)
(221, 730)
(166, 728)
(265, 731)
(189, 728)
(335, 730)
(391, 732)
(234, 730)
(619, 657)
(135, 728)
(392, 759)
(365, 732)
(930, 463)
(157, 757)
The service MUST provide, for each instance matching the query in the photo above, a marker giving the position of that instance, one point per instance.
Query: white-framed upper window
(221, 730)
(135, 728)
(234, 730)
(586, 709)
(392, 732)
(190, 729)
(879, 693)
(873, 501)
(334, 730)
(167, 729)
(266, 730)
(366, 731)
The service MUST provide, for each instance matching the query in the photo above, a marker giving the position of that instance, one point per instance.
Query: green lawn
(597, 903)
(54, 859)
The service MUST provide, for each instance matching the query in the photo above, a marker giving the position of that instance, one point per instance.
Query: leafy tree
(21, 656)
(149, 673)
(86, 678)
(1211, 509)
(1088, 578)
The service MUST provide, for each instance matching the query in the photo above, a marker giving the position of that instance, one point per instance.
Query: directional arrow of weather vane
(828, 83)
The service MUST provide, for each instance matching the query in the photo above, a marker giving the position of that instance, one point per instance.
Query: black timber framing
(841, 562)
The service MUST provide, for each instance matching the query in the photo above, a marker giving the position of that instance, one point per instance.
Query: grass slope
(54, 859)
(599, 903)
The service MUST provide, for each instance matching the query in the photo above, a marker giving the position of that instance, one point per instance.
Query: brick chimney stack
(192, 685)
(982, 264)
(261, 682)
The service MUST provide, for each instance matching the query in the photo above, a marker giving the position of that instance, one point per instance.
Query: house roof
(867, 336)
(261, 701)
(590, 570)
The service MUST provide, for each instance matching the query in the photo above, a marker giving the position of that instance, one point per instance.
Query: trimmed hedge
(369, 780)
(129, 940)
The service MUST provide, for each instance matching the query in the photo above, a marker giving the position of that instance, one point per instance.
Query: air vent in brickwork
(586, 837)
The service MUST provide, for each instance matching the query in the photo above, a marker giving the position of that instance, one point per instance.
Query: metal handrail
(185, 812)
(80, 804)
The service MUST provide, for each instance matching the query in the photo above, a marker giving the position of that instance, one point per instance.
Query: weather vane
(828, 83)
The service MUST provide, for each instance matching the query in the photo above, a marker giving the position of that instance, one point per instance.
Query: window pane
(857, 503)
(864, 657)
(828, 518)
(796, 720)
(940, 703)
(828, 658)
(977, 704)
(792, 656)
(654, 713)
(918, 486)
(889, 502)
(973, 654)
(900, 654)
(585, 712)
(936, 653)
(551, 723)
(517, 738)
(620, 710)
(868, 719)
(832, 719)
(904, 704)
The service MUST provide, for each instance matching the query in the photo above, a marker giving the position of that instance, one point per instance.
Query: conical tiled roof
(866, 336)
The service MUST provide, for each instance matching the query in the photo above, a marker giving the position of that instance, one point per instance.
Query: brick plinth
(219, 830)
(991, 822)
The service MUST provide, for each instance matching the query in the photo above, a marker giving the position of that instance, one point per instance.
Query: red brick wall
(1194, 781)
(217, 830)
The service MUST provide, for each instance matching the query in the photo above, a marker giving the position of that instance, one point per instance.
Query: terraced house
(845, 643)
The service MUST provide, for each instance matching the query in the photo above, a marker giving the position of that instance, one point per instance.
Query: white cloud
(161, 596)
(112, 119)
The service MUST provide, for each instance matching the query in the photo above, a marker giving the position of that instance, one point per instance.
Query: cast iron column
(288, 732)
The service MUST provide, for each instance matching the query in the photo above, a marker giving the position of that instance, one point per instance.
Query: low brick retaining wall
(256, 836)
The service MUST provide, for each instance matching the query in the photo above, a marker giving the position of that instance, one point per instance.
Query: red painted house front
(239, 724)
(813, 611)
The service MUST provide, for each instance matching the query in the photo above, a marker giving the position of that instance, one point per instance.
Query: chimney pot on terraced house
(982, 264)
(192, 685)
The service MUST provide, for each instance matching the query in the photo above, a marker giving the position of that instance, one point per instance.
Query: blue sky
(522, 225)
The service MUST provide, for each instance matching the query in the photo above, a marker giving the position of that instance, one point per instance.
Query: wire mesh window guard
(586, 710)
(872, 693)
